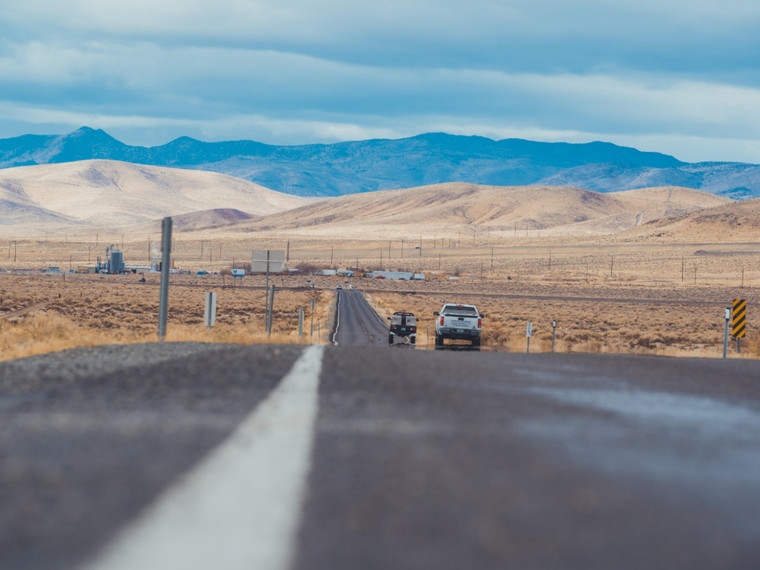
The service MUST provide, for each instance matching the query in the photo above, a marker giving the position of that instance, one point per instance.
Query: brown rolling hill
(446, 209)
(197, 221)
(104, 193)
(733, 222)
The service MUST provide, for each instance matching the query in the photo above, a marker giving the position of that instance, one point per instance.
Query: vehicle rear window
(461, 311)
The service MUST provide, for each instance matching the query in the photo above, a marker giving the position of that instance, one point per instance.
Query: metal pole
(311, 331)
(300, 322)
(266, 296)
(271, 310)
(725, 335)
(166, 242)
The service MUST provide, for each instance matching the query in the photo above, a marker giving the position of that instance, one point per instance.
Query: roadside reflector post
(725, 335)
(300, 322)
(163, 305)
(554, 333)
(528, 334)
(209, 311)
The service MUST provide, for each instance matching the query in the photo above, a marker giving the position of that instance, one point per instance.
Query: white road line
(240, 508)
(337, 321)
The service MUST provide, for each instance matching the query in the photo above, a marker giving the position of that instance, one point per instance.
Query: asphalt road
(372, 457)
(357, 324)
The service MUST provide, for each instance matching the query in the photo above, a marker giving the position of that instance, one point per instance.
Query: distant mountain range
(364, 166)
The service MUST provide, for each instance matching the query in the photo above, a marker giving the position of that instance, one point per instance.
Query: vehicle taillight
(441, 320)
(480, 323)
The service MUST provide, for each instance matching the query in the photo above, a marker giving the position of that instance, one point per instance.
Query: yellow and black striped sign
(739, 313)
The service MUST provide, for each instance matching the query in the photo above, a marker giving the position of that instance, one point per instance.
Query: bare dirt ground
(605, 296)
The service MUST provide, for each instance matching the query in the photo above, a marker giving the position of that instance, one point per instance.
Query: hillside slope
(109, 193)
(449, 209)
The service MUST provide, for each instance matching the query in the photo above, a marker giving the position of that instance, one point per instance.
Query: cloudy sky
(676, 76)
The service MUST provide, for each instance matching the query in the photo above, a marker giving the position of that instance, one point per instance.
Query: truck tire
(476, 341)
(390, 338)
(438, 340)
(413, 340)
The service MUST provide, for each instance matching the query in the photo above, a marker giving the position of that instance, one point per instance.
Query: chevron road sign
(739, 316)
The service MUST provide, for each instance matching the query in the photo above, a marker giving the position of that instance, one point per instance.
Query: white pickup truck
(462, 322)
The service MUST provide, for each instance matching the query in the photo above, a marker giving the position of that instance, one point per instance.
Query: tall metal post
(725, 335)
(300, 322)
(266, 296)
(311, 331)
(166, 243)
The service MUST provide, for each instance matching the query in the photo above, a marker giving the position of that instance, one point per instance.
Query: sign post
(725, 334)
(528, 334)
(271, 311)
(209, 312)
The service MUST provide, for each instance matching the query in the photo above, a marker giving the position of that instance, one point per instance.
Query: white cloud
(679, 73)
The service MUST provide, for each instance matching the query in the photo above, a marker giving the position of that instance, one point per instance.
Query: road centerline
(240, 507)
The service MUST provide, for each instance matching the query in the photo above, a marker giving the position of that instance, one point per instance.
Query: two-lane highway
(202, 456)
(356, 323)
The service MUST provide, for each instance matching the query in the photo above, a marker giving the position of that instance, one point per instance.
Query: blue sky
(680, 77)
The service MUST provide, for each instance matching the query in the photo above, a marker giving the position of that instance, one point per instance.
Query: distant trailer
(398, 275)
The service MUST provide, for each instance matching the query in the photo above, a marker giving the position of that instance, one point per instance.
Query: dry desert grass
(41, 313)
(628, 325)
(633, 298)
